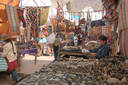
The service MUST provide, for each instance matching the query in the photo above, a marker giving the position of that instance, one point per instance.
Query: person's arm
(94, 50)
(102, 52)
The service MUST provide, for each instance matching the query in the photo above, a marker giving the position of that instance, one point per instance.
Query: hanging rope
(35, 3)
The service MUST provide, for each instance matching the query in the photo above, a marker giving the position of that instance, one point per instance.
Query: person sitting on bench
(103, 50)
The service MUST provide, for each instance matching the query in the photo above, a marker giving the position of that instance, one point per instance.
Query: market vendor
(102, 50)
(10, 54)
(56, 45)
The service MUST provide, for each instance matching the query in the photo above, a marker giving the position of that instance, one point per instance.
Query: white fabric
(31, 3)
(51, 38)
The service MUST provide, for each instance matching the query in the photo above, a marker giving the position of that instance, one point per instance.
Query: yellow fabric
(3, 16)
(44, 15)
(8, 52)
(57, 42)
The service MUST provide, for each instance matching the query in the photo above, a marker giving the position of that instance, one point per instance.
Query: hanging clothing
(44, 15)
(13, 19)
(21, 16)
(33, 16)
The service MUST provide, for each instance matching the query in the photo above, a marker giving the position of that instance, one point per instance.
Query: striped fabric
(3, 64)
(13, 19)
(123, 14)
(123, 26)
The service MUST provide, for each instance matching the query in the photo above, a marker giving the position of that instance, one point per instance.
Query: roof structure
(79, 5)
(34, 3)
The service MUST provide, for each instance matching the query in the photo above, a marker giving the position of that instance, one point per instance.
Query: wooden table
(32, 51)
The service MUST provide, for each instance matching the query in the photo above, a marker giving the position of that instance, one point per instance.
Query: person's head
(5, 37)
(7, 40)
(102, 39)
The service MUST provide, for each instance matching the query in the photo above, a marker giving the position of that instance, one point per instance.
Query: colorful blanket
(3, 65)
(33, 16)
(13, 19)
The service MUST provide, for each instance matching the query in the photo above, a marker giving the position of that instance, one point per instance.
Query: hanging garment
(33, 16)
(44, 15)
(97, 23)
(13, 19)
(123, 43)
(123, 15)
(21, 16)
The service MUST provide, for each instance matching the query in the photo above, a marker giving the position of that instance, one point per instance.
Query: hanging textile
(123, 43)
(13, 19)
(33, 17)
(44, 15)
(21, 16)
(111, 12)
(123, 26)
(123, 14)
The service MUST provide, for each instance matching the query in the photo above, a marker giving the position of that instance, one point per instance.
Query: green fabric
(57, 42)
(3, 64)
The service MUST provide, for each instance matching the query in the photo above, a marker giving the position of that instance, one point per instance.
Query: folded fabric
(3, 64)
(29, 51)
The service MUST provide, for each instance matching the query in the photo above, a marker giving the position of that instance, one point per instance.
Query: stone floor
(27, 67)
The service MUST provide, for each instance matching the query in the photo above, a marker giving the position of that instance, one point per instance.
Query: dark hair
(9, 40)
(103, 38)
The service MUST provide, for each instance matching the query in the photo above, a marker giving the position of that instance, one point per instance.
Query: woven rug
(13, 19)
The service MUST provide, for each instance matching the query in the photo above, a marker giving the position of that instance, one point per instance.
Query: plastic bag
(51, 38)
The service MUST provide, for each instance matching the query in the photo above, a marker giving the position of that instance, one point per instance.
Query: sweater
(8, 52)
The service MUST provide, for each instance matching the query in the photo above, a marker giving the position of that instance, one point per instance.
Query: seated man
(102, 50)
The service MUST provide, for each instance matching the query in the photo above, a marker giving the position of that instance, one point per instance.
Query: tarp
(34, 3)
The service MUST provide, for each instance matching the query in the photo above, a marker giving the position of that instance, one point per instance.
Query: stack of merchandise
(106, 71)
(91, 45)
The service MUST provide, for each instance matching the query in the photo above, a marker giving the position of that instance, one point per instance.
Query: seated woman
(10, 54)
(102, 50)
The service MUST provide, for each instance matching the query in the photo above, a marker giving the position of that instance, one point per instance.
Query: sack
(3, 64)
(51, 38)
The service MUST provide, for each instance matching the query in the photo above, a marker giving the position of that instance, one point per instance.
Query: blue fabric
(44, 40)
(97, 23)
(55, 49)
(14, 75)
(101, 51)
(71, 37)
(3, 64)
(76, 17)
(41, 40)
(49, 29)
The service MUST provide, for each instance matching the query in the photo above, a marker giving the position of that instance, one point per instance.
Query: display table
(32, 51)
(26, 48)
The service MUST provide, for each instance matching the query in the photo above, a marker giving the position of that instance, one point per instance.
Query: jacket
(8, 52)
(101, 51)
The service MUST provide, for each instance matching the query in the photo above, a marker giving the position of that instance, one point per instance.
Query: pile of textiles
(71, 49)
(3, 64)
(97, 23)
